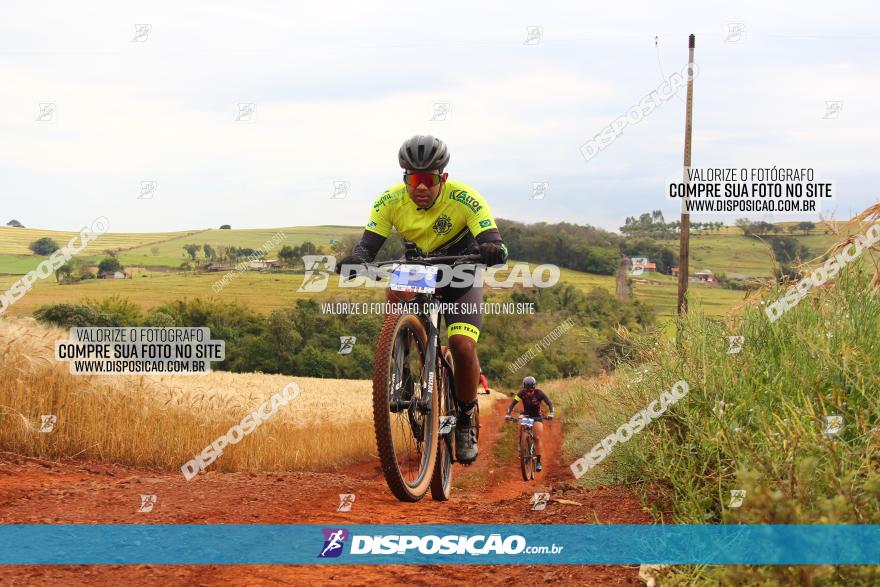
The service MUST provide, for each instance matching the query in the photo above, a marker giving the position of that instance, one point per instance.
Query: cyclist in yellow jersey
(442, 217)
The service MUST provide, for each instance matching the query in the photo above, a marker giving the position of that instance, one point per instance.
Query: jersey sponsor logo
(485, 223)
(462, 197)
(443, 224)
(371, 224)
(382, 200)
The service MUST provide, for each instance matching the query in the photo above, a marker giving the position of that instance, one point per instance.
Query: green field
(263, 291)
(714, 301)
(170, 253)
(732, 253)
(269, 291)
(15, 241)
(138, 248)
(726, 251)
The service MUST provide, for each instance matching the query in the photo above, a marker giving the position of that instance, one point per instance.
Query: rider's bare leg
(467, 376)
(467, 367)
(539, 429)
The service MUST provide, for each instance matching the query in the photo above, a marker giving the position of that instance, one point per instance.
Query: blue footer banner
(231, 544)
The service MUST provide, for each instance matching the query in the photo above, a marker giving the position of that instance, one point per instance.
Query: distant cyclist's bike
(414, 401)
(526, 446)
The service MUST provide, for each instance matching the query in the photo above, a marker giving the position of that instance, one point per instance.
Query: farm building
(704, 275)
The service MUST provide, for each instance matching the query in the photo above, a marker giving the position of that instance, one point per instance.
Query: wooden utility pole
(684, 235)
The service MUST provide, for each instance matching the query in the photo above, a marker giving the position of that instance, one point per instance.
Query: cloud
(338, 87)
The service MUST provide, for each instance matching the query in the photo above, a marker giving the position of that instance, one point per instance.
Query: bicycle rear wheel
(441, 482)
(406, 422)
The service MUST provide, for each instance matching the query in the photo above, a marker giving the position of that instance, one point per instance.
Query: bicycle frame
(435, 375)
(432, 325)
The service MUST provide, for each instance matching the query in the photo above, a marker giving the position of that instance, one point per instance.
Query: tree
(72, 271)
(155, 251)
(15, 223)
(192, 250)
(68, 315)
(649, 224)
(806, 227)
(62, 274)
(225, 227)
(744, 224)
(44, 246)
(288, 253)
(109, 264)
(210, 253)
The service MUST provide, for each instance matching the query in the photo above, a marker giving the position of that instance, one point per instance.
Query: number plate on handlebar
(414, 278)
(527, 421)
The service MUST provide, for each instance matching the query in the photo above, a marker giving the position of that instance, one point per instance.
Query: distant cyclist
(442, 217)
(485, 383)
(531, 398)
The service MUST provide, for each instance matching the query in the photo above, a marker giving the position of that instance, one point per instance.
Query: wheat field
(162, 421)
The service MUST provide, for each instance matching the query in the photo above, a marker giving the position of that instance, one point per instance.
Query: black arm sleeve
(369, 246)
(512, 405)
(489, 236)
(547, 401)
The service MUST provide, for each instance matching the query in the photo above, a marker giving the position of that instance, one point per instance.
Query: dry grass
(162, 421)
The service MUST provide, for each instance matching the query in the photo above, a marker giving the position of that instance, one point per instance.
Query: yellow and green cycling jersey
(459, 210)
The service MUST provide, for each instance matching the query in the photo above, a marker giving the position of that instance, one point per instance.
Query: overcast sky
(338, 85)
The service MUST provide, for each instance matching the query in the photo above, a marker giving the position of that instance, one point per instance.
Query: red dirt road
(35, 491)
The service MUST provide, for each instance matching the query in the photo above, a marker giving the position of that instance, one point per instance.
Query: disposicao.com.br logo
(479, 544)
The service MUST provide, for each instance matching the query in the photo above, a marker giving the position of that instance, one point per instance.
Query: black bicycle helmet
(529, 382)
(423, 153)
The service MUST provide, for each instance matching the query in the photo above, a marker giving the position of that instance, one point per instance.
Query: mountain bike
(414, 400)
(526, 445)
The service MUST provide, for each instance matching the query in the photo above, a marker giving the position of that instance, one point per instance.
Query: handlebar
(438, 260)
(512, 419)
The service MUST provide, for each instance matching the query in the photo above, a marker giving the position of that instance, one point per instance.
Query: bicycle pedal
(447, 424)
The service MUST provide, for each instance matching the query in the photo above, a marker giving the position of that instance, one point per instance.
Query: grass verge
(758, 421)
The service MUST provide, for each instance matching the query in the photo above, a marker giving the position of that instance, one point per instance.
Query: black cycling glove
(493, 253)
(355, 266)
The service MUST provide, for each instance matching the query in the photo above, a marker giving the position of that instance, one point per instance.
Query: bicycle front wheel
(405, 419)
(526, 463)
(441, 483)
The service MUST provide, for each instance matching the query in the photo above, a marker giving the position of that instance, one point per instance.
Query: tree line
(302, 340)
